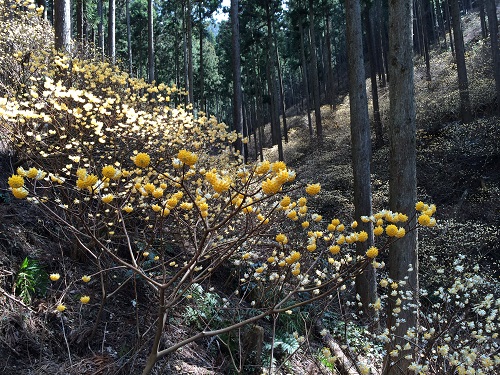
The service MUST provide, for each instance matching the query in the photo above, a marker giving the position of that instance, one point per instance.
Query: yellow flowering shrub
(130, 175)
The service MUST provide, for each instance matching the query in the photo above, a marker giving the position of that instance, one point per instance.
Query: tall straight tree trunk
(306, 83)
(482, 17)
(185, 49)
(112, 31)
(282, 94)
(151, 45)
(129, 37)
(203, 103)
(448, 23)
(402, 183)
(100, 27)
(379, 37)
(463, 82)
(330, 92)
(314, 73)
(377, 121)
(62, 25)
(189, 28)
(366, 285)
(79, 20)
(236, 62)
(273, 85)
(495, 51)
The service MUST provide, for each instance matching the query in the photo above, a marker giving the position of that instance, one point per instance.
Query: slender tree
(151, 44)
(314, 72)
(129, 37)
(112, 31)
(403, 255)
(495, 52)
(463, 82)
(100, 27)
(361, 152)
(305, 80)
(236, 64)
(62, 25)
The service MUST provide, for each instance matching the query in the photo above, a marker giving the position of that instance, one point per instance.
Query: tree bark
(151, 45)
(129, 38)
(366, 285)
(463, 82)
(112, 31)
(189, 29)
(314, 73)
(377, 121)
(62, 25)
(482, 17)
(402, 182)
(237, 94)
(100, 27)
(495, 51)
(306, 83)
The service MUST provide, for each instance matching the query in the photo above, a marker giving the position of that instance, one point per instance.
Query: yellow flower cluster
(372, 252)
(16, 181)
(313, 189)
(187, 157)
(85, 180)
(142, 160)
(220, 185)
(425, 218)
(111, 172)
(281, 175)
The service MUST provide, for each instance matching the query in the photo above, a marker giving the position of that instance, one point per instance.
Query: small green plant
(205, 309)
(31, 280)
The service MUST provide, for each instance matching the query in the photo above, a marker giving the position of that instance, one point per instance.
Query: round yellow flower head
(16, 181)
(372, 252)
(401, 233)
(281, 238)
(278, 166)
(20, 193)
(362, 236)
(305, 224)
(378, 230)
(419, 206)
(61, 307)
(110, 172)
(108, 198)
(270, 186)
(424, 220)
(262, 167)
(313, 189)
(149, 187)
(391, 230)
(285, 202)
(334, 249)
(142, 160)
(221, 185)
(84, 299)
(187, 157)
(32, 172)
(54, 276)
(128, 209)
(85, 278)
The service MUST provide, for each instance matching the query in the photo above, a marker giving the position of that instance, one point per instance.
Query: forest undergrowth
(457, 170)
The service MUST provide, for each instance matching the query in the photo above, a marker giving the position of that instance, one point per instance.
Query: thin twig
(66, 341)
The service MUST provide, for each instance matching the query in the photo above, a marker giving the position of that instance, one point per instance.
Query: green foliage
(204, 310)
(31, 280)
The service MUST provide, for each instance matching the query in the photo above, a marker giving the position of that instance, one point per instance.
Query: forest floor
(458, 170)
